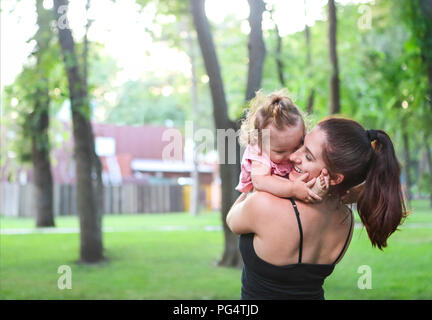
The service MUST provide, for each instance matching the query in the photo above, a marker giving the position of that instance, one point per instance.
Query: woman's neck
(331, 202)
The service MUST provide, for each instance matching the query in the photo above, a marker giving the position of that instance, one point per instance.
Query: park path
(159, 228)
(60, 230)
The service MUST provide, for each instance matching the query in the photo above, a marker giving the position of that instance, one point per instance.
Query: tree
(429, 160)
(229, 172)
(195, 186)
(38, 123)
(334, 77)
(278, 54)
(256, 48)
(420, 20)
(87, 169)
(310, 99)
(407, 164)
(424, 33)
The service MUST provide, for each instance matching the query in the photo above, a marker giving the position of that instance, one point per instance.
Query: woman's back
(325, 230)
(273, 259)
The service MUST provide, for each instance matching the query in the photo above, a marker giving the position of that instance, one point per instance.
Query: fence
(19, 201)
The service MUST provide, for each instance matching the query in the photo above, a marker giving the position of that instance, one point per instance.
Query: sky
(121, 27)
(118, 25)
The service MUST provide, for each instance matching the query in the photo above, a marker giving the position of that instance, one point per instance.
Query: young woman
(290, 247)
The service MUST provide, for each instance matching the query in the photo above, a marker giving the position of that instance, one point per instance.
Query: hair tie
(372, 134)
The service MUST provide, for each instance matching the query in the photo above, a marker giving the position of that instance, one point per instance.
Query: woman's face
(308, 158)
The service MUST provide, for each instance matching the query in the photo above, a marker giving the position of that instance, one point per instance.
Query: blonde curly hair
(276, 108)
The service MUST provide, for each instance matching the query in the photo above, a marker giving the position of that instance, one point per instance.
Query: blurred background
(94, 91)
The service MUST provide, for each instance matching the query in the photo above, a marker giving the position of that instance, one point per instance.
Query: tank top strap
(300, 229)
(301, 233)
(347, 239)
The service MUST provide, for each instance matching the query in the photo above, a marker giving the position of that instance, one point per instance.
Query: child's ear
(336, 179)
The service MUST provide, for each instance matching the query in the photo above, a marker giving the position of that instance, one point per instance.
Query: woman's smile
(295, 172)
(297, 169)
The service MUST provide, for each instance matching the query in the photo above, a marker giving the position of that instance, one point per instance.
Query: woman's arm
(235, 213)
(248, 212)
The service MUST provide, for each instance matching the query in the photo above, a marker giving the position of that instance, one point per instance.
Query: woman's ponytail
(381, 205)
(366, 156)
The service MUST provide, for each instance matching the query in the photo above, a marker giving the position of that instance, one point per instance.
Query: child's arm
(262, 180)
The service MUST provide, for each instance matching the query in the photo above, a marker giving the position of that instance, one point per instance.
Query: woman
(289, 247)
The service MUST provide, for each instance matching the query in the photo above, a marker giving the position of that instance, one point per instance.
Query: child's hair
(276, 107)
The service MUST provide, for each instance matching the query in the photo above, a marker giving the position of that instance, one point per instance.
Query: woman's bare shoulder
(267, 204)
(274, 215)
(265, 199)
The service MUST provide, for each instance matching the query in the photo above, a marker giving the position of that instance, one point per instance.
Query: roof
(142, 142)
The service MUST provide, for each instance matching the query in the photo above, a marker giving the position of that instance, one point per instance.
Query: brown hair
(276, 108)
(349, 151)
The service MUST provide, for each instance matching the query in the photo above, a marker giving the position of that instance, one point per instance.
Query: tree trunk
(407, 166)
(91, 250)
(278, 58)
(426, 49)
(97, 164)
(426, 43)
(86, 50)
(256, 46)
(279, 63)
(334, 78)
(195, 187)
(311, 96)
(39, 120)
(429, 162)
(229, 172)
(40, 154)
(310, 101)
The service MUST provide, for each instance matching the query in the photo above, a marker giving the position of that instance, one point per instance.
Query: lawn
(173, 256)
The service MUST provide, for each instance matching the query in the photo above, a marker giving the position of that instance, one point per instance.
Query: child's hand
(321, 185)
(302, 189)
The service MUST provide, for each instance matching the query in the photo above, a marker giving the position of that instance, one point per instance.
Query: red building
(128, 154)
(137, 179)
(136, 154)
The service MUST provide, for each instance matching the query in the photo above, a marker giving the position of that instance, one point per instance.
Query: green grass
(123, 220)
(149, 263)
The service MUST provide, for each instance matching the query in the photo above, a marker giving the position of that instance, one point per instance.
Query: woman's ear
(336, 179)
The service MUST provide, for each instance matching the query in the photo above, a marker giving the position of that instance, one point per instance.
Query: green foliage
(142, 103)
(425, 183)
(383, 73)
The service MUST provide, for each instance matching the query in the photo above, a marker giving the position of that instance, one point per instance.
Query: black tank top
(263, 280)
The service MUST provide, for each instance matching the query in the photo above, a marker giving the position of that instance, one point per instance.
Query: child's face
(285, 141)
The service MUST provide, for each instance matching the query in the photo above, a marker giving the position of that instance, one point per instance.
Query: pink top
(251, 154)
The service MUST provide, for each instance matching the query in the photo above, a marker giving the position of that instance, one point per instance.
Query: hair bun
(276, 100)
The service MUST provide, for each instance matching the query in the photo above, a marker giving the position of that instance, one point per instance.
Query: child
(266, 158)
